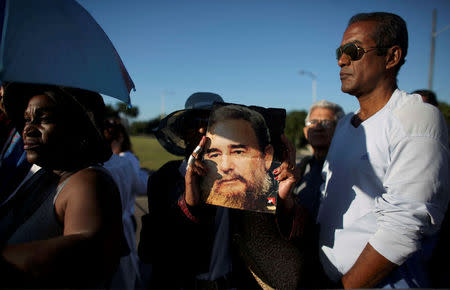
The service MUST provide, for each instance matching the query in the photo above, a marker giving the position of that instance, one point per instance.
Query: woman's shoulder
(87, 182)
(93, 173)
(88, 190)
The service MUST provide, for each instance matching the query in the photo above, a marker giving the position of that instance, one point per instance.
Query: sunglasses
(324, 123)
(354, 51)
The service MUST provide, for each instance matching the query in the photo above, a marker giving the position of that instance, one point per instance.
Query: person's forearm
(295, 224)
(187, 209)
(67, 258)
(369, 269)
(286, 204)
(199, 214)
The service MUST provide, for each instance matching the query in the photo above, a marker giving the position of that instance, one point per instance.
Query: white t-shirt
(386, 183)
(142, 176)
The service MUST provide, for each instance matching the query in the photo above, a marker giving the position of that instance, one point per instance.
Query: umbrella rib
(4, 26)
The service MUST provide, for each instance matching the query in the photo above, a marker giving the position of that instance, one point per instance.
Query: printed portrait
(239, 156)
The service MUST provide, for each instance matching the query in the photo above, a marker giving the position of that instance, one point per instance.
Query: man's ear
(393, 56)
(305, 132)
(268, 156)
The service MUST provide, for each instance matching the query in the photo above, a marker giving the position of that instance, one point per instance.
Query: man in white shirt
(386, 173)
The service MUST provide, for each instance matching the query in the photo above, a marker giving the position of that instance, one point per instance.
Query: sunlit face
(41, 132)
(236, 165)
(51, 135)
(360, 77)
(317, 135)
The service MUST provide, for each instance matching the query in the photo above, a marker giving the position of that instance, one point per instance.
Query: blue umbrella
(57, 42)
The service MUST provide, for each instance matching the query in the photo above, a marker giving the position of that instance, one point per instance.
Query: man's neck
(374, 101)
(115, 147)
(320, 153)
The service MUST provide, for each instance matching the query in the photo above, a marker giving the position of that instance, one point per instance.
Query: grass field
(150, 153)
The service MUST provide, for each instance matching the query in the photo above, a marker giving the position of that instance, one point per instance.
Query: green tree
(122, 111)
(138, 128)
(111, 112)
(445, 109)
(295, 121)
(153, 124)
(144, 127)
(132, 112)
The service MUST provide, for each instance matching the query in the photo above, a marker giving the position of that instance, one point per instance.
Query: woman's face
(43, 132)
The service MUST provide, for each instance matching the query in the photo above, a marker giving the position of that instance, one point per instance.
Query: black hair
(118, 130)
(391, 30)
(238, 112)
(429, 94)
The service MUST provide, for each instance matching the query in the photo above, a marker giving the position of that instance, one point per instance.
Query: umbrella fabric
(58, 42)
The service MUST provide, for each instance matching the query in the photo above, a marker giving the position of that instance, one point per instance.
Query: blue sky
(250, 51)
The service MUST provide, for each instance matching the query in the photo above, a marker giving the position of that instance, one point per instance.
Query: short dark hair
(391, 30)
(118, 130)
(238, 112)
(429, 94)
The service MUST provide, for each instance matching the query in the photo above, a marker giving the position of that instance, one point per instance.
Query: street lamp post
(433, 39)
(163, 111)
(314, 82)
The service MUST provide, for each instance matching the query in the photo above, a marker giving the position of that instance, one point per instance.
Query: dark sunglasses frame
(322, 122)
(354, 51)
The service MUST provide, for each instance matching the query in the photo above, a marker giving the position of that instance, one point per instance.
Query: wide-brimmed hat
(171, 129)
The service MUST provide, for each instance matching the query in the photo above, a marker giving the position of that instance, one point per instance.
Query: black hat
(170, 130)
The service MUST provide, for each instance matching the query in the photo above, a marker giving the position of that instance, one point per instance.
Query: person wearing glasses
(386, 174)
(319, 129)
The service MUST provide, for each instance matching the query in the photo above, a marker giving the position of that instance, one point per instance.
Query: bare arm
(287, 174)
(89, 208)
(369, 269)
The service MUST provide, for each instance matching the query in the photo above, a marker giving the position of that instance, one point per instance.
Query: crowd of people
(367, 208)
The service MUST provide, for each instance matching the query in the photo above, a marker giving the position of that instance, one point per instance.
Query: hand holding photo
(239, 157)
(194, 155)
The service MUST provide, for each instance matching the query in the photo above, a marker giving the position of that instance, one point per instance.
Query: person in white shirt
(126, 172)
(121, 145)
(386, 174)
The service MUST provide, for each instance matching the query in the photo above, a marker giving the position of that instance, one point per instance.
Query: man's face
(236, 165)
(318, 135)
(361, 77)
